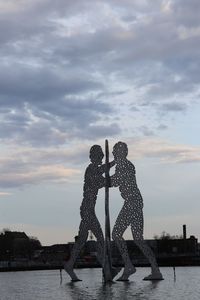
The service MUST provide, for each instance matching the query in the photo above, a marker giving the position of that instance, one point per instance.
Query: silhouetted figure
(93, 181)
(130, 214)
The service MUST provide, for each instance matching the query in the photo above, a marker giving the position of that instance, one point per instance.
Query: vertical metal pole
(107, 268)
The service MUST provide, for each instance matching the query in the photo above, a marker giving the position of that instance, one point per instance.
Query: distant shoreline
(166, 262)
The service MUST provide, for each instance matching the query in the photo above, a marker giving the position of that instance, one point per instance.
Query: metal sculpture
(131, 213)
(93, 181)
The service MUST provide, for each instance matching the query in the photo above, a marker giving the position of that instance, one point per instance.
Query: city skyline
(74, 73)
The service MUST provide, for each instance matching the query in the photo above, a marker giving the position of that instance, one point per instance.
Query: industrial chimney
(184, 232)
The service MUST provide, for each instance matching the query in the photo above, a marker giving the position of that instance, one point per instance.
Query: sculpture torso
(93, 181)
(125, 178)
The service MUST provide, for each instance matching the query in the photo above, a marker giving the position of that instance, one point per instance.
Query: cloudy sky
(74, 73)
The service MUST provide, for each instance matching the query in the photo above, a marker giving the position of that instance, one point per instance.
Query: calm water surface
(42, 285)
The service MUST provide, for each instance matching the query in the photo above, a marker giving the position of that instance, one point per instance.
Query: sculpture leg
(96, 230)
(137, 232)
(120, 226)
(82, 237)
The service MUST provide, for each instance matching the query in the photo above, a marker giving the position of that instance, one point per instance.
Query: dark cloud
(55, 123)
(63, 64)
(21, 84)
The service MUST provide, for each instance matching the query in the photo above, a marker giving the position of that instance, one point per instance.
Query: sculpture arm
(111, 164)
(114, 181)
(102, 168)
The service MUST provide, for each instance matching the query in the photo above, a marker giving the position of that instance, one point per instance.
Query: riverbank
(163, 261)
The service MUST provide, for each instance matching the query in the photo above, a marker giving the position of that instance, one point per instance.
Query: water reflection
(104, 291)
(115, 290)
(146, 292)
(44, 285)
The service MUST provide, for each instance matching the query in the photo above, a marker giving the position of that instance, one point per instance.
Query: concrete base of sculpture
(154, 276)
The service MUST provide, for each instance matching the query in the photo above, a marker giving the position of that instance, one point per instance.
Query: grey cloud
(56, 122)
(162, 127)
(17, 117)
(17, 26)
(166, 153)
(63, 78)
(58, 88)
(33, 18)
(42, 133)
(13, 122)
(146, 131)
(174, 107)
(134, 108)
(186, 12)
(68, 156)
(102, 131)
(40, 84)
(39, 165)
(53, 132)
(52, 97)
(77, 108)
(167, 87)
(115, 46)
(26, 170)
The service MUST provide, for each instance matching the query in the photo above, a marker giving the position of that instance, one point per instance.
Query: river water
(43, 285)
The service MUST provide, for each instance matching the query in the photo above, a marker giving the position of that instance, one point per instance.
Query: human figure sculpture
(131, 213)
(93, 181)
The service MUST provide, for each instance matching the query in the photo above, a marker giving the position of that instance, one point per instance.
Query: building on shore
(18, 251)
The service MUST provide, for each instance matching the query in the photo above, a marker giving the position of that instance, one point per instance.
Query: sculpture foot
(154, 276)
(69, 269)
(115, 271)
(122, 279)
(127, 272)
(76, 279)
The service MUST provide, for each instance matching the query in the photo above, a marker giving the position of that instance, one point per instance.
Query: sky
(74, 73)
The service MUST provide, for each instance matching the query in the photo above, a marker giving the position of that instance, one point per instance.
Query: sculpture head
(96, 154)
(120, 151)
